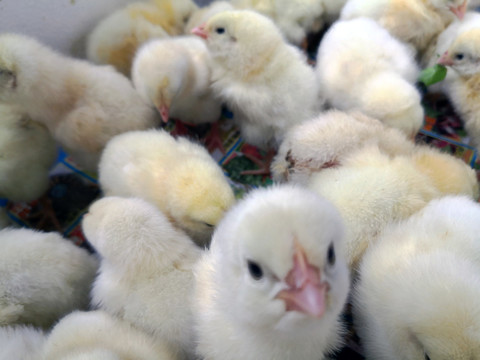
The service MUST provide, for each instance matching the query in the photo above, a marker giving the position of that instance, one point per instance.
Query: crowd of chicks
(182, 270)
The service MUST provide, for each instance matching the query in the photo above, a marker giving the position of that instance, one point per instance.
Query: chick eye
(459, 56)
(220, 30)
(209, 225)
(331, 255)
(255, 270)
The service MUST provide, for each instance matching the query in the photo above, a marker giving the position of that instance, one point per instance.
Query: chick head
(463, 55)
(281, 261)
(457, 7)
(238, 39)
(158, 74)
(177, 11)
(198, 198)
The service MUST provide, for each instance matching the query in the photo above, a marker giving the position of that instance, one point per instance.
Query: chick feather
(174, 75)
(201, 15)
(96, 335)
(176, 175)
(43, 277)
(419, 286)
(361, 67)
(27, 152)
(315, 144)
(117, 37)
(81, 104)
(21, 343)
(146, 270)
(264, 81)
(271, 249)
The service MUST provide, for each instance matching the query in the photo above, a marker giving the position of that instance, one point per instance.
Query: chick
(117, 37)
(275, 280)
(146, 275)
(332, 10)
(176, 175)
(462, 57)
(97, 335)
(294, 18)
(201, 15)
(174, 76)
(27, 151)
(42, 277)
(413, 22)
(81, 104)
(21, 343)
(361, 67)
(254, 72)
(372, 190)
(315, 144)
(417, 297)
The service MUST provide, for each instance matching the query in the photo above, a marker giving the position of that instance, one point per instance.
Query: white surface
(61, 24)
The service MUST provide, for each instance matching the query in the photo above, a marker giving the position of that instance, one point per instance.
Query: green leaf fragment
(433, 74)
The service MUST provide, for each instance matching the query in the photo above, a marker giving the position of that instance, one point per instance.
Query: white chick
(201, 15)
(81, 104)
(117, 37)
(21, 343)
(413, 22)
(27, 151)
(463, 58)
(255, 72)
(361, 67)
(96, 335)
(174, 76)
(294, 18)
(275, 280)
(315, 144)
(146, 272)
(417, 297)
(372, 190)
(42, 277)
(176, 175)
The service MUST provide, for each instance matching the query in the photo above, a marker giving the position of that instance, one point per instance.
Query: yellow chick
(116, 38)
(178, 176)
(463, 90)
(81, 104)
(415, 22)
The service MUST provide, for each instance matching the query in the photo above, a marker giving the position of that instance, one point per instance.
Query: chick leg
(180, 129)
(47, 213)
(213, 140)
(263, 165)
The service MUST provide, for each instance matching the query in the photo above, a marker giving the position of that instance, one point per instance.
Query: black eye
(209, 225)
(459, 56)
(331, 255)
(255, 270)
(220, 30)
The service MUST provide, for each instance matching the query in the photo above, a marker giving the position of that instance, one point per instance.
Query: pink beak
(164, 113)
(200, 31)
(306, 293)
(445, 60)
(460, 10)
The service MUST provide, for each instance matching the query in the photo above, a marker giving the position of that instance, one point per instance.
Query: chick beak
(445, 60)
(200, 31)
(305, 293)
(460, 10)
(164, 113)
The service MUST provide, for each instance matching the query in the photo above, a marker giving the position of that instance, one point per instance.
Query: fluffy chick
(42, 277)
(27, 151)
(417, 297)
(81, 104)
(360, 66)
(174, 76)
(274, 282)
(254, 72)
(413, 22)
(21, 343)
(96, 335)
(146, 275)
(176, 175)
(117, 37)
(201, 15)
(372, 190)
(463, 58)
(315, 144)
